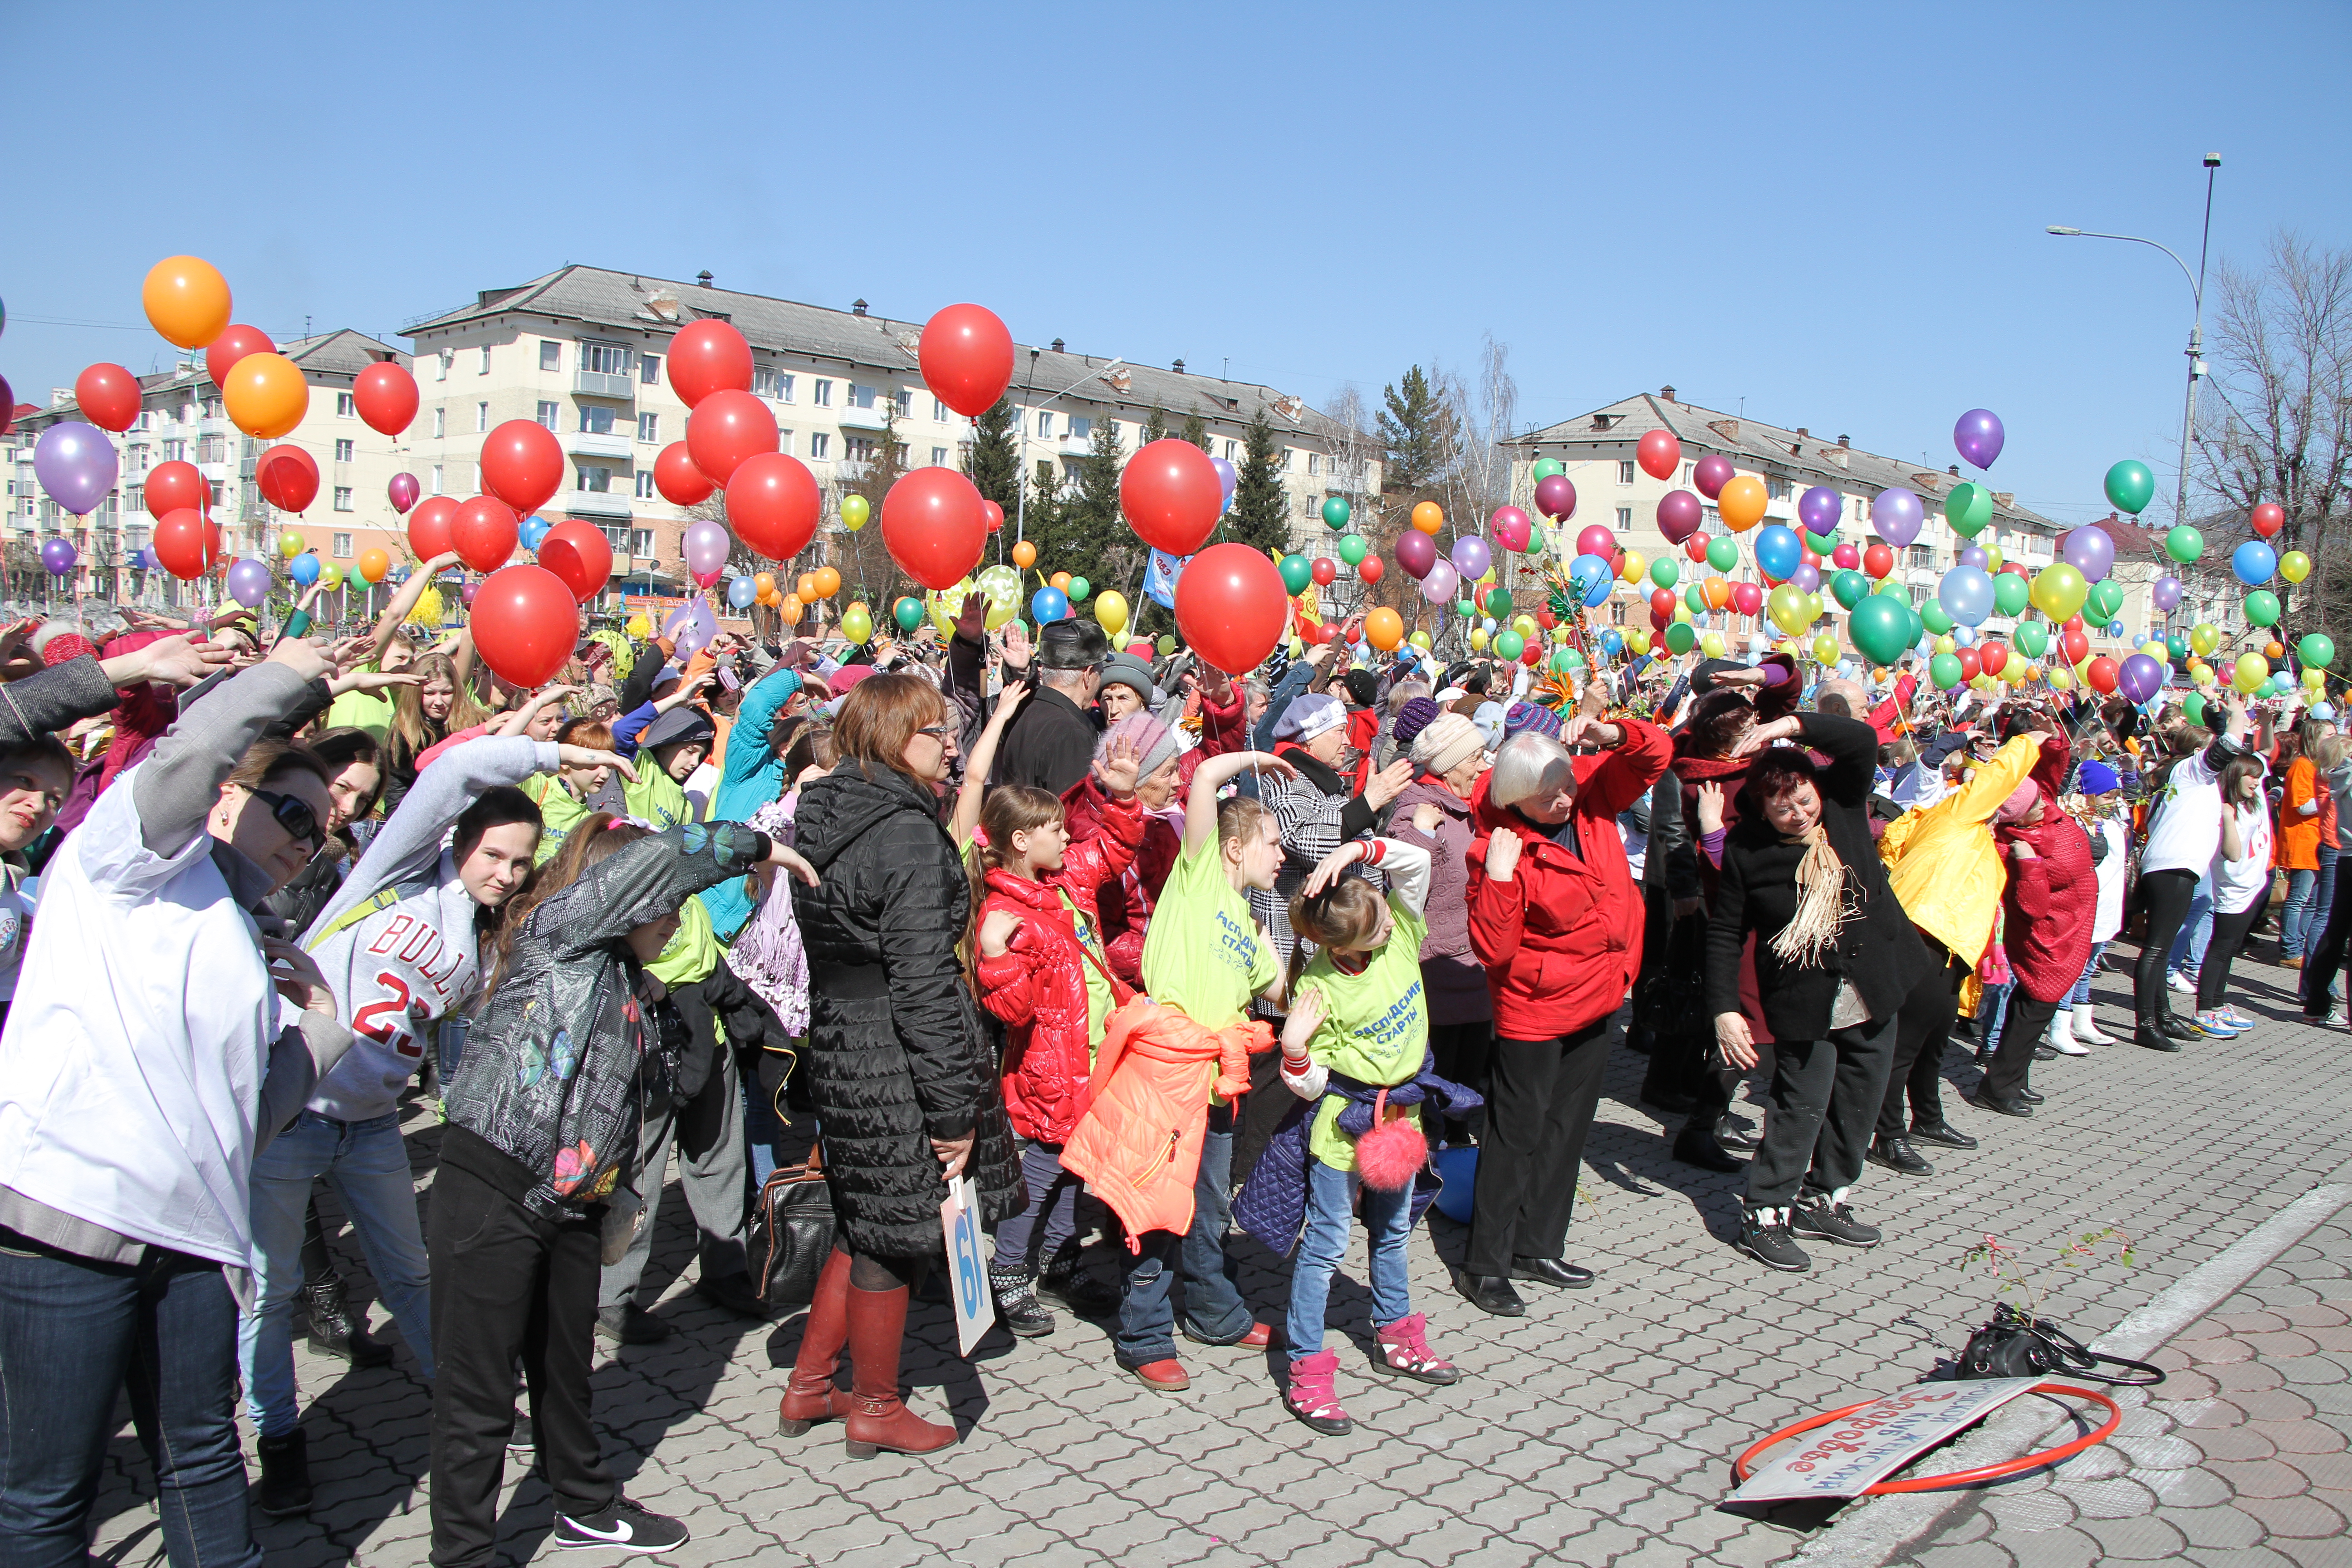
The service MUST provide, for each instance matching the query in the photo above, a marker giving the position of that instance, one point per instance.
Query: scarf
(1822, 905)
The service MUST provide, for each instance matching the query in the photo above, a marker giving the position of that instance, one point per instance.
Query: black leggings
(2323, 959)
(2230, 934)
(883, 1273)
(2165, 895)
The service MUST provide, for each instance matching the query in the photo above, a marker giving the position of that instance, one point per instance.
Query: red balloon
(186, 543)
(1877, 561)
(727, 426)
(1970, 664)
(2268, 519)
(1993, 657)
(385, 395)
(1696, 546)
(109, 396)
(484, 533)
(525, 624)
(1658, 451)
(1711, 473)
(1846, 557)
(522, 465)
(580, 554)
(708, 357)
(774, 503)
(2074, 622)
(1229, 607)
(235, 342)
(1556, 498)
(966, 358)
(1546, 619)
(2103, 675)
(2076, 645)
(1370, 569)
(1809, 556)
(175, 485)
(1172, 496)
(428, 527)
(933, 526)
(288, 478)
(679, 480)
(1661, 601)
(1747, 598)
(1325, 571)
(996, 515)
(401, 491)
(1679, 515)
(1596, 540)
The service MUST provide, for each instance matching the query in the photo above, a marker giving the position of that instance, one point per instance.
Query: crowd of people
(1154, 957)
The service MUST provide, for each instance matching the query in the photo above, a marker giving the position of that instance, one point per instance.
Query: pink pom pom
(1389, 1155)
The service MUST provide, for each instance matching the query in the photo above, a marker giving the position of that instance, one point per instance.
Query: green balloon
(1666, 571)
(1560, 658)
(1680, 636)
(1352, 548)
(2130, 487)
(909, 613)
(1696, 597)
(2010, 593)
(1079, 591)
(1723, 554)
(1535, 539)
(1546, 466)
(2261, 608)
(1880, 628)
(2033, 638)
(1822, 543)
(1892, 588)
(2184, 545)
(1167, 644)
(1498, 601)
(1849, 587)
(1464, 607)
(2316, 651)
(1945, 670)
(1937, 620)
(1914, 628)
(2176, 647)
(1335, 513)
(2194, 707)
(2106, 599)
(1509, 645)
(1296, 574)
(1575, 660)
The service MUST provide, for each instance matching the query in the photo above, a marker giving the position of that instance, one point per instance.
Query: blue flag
(1159, 578)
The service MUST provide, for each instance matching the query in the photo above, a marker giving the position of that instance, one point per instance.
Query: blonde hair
(1343, 915)
(1241, 817)
(408, 719)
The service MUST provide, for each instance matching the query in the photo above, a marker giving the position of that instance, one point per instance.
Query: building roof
(336, 356)
(1797, 456)
(596, 297)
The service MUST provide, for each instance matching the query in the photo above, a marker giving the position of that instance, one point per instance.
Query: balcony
(595, 384)
(594, 503)
(213, 471)
(874, 419)
(603, 444)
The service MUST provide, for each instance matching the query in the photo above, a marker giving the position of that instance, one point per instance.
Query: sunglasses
(942, 733)
(292, 815)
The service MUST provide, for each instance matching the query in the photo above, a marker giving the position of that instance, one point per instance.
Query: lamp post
(2197, 327)
(1021, 495)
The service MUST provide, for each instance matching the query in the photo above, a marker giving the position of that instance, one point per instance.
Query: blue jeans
(73, 1334)
(1993, 1012)
(1214, 1312)
(2323, 898)
(1388, 1221)
(2296, 931)
(368, 1163)
(1146, 1321)
(2188, 955)
(2082, 996)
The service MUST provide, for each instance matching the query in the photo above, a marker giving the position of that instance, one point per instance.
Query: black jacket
(1671, 862)
(1048, 745)
(1878, 949)
(896, 1055)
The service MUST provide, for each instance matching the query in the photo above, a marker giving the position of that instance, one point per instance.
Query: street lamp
(1021, 494)
(2197, 326)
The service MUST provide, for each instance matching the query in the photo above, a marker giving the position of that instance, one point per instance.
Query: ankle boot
(810, 1395)
(1017, 1306)
(2086, 1026)
(335, 1329)
(877, 1418)
(2150, 1033)
(285, 1489)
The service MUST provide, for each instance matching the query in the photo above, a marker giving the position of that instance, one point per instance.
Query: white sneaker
(2181, 981)
(2061, 1038)
(2087, 1028)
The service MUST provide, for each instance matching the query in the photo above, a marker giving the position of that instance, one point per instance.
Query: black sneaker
(1770, 1244)
(521, 1440)
(631, 1325)
(623, 1527)
(1896, 1154)
(1823, 1220)
(1942, 1132)
(1695, 1146)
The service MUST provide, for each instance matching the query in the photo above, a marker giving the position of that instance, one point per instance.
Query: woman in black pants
(2242, 886)
(2184, 833)
(1835, 958)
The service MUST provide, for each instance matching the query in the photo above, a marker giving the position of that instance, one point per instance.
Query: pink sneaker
(1404, 1350)
(1312, 1397)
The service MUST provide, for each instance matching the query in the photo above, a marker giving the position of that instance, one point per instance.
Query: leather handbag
(791, 1232)
(2015, 1345)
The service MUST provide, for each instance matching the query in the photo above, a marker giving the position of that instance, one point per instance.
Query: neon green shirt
(1201, 954)
(559, 814)
(1375, 1026)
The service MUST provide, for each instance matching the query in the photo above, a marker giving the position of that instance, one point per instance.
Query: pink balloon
(1511, 527)
(1711, 473)
(1596, 540)
(1679, 515)
(1846, 557)
(403, 492)
(1556, 498)
(1416, 552)
(1747, 598)
(705, 550)
(1438, 586)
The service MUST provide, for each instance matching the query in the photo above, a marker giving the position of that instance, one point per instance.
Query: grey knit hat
(1155, 744)
(1445, 742)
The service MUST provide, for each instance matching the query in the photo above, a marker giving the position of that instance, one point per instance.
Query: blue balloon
(1966, 593)
(1777, 551)
(534, 529)
(2115, 629)
(1613, 642)
(2254, 563)
(742, 593)
(1964, 637)
(305, 569)
(1048, 604)
(1597, 576)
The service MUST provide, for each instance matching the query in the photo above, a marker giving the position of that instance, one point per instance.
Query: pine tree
(1261, 513)
(1042, 526)
(993, 461)
(1090, 515)
(1196, 430)
(1413, 431)
(1155, 426)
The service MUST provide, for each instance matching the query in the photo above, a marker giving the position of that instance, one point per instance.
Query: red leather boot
(810, 1395)
(877, 1418)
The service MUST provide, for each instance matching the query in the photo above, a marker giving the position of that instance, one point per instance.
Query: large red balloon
(1661, 601)
(2268, 518)
(522, 465)
(484, 533)
(679, 480)
(774, 503)
(428, 527)
(1972, 666)
(525, 623)
(385, 395)
(1877, 561)
(288, 478)
(934, 526)
(2076, 645)
(1172, 496)
(186, 542)
(1229, 607)
(1993, 657)
(708, 357)
(174, 485)
(1658, 451)
(1370, 569)
(108, 395)
(726, 427)
(966, 358)
(235, 342)
(580, 554)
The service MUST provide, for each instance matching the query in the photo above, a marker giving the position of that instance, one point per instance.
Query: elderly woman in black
(1834, 959)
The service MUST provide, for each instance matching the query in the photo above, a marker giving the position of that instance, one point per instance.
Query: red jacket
(1039, 985)
(1127, 908)
(1563, 939)
(1222, 729)
(2052, 898)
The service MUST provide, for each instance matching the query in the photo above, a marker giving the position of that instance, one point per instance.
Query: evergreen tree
(1261, 515)
(1043, 524)
(992, 462)
(1413, 432)
(1155, 426)
(1196, 430)
(1090, 515)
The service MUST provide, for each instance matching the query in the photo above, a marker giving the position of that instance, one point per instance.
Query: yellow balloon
(855, 510)
(1002, 584)
(1638, 639)
(1477, 639)
(1421, 639)
(945, 604)
(2059, 590)
(856, 625)
(1683, 613)
(1111, 612)
(266, 396)
(1741, 503)
(289, 544)
(1711, 644)
(187, 301)
(2295, 566)
(1526, 626)
(1825, 648)
(1636, 564)
(2252, 670)
(1992, 556)
(330, 577)
(2061, 680)
(2203, 639)
(1787, 608)
(1946, 645)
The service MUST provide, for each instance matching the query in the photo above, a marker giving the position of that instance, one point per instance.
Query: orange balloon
(2273, 650)
(806, 588)
(829, 582)
(1718, 589)
(1024, 555)
(1429, 517)
(765, 583)
(791, 609)
(266, 396)
(1742, 503)
(187, 301)
(1059, 579)
(373, 564)
(1384, 629)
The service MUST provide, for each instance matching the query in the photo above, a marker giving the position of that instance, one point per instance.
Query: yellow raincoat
(1941, 859)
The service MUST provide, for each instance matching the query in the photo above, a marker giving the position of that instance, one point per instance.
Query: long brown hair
(880, 716)
(1344, 914)
(408, 720)
(1009, 809)
(594, 840)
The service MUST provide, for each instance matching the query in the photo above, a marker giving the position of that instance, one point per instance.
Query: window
(344, 450)
(763, 383)
(645, 484)
(547, 414)
(175, 451)
(211, 409)
(1081, 429)
(1857, 509)
(1231, 449)
(641, 544)
(1776, 490)
(481, 418)
(939, 457)
(212, 449)
(649, 428)
(820, 444)
(1045, 424)
(906, 404)
(1624, 518)
(784, 388)
(901, 453)
(860, 397)
(595, 481)
(822, 393)
(134, 498)
(1314, 462)
(440, 423)
(858, 448)
(596, 420)
(1625, 472)
(939, 412)
(784, 442)
(342, 503)
(442, 373)
(550, 355)
(345, 409)
(437, 480)
(342, 543)
(484, 369)
(604, 359)
(1921, 555)
(137, 460)
(649, 369)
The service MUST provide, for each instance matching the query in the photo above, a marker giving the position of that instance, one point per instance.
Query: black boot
(1017, 1306)
(1695, 1146)
(2151, 1032)
(1066, 1277)
(335, 1329)
(285, 1489)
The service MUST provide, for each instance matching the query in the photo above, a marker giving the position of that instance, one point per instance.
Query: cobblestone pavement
(1597, 1429)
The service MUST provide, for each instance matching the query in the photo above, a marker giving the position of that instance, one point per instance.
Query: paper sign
(975, 1308)
(1857, 1451)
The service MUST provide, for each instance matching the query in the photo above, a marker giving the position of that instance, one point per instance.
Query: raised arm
(405, 601)
(1201, 804)
(177, 785)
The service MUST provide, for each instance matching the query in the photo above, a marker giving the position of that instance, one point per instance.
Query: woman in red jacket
(2052, 894)
(1555, 917)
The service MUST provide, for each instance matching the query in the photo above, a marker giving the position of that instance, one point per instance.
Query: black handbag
(791, 1232)
(2015, 1345)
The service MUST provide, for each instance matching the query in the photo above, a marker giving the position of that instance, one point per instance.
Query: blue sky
(1835, 213)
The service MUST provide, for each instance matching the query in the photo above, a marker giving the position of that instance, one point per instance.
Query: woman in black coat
(1834, 959)
(905, 1085)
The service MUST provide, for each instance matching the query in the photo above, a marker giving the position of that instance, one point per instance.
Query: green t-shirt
(559, 814)
(692, 953)
(1201, 954)
(1099, 1002)
(1375, 1026)
(362, 711)
(655, 796)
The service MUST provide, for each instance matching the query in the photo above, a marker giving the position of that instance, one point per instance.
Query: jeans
(1215, 1311)
(1388, 1221)
(368, 1163)
(1146, 1321)
(2082, 994)
(1825, 1099)
(2295, 929)
(2185, 955)
(73, 1335)
(2315, 925)
(2323, 961)
(1993, 1012)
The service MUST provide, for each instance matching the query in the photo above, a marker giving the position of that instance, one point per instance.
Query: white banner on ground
(975, 1308)
(1858, 1450)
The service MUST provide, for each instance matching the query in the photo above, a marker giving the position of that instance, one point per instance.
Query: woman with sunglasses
(156, 1044)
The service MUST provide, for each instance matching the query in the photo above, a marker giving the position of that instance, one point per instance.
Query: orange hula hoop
(1744, 1466)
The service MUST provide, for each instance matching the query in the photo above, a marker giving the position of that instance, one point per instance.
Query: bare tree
(1481, 411)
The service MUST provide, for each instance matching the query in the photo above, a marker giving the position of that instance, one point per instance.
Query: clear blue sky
(1833, 212)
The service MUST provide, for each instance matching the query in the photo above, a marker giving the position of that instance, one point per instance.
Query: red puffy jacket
(1127, 909)
(1562, 939)
(1038, 986)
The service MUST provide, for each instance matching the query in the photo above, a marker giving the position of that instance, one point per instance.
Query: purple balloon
(2090, 552)
(1556, 498)
(1977, 437)
(2165, 594)
(1472, 556)
(249, 583)
(76, 464)
(60, 555)
(1806, 579)
(1438, 586)
(403, 492)
(1711, 473)
(466, 594)
(2140, 677)
(1819, 508)
(1974, 555)
(1226, 475)
(8, 407)
(1896, 515)
(1679, 515)
(1416, 552)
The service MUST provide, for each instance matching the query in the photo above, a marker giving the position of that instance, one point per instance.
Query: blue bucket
(1458, 1168)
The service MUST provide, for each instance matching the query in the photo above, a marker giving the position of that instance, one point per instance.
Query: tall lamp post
(2197, 328)
(1021, 495)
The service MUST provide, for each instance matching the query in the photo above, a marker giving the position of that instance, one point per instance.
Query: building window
(175, 450)
(821, 392)
(1922, 555)
(858, 448)
(939, 457)
(344, 450)
(550, 355)
(649, 369)
(1045, 424)
(481, 418)
(641, 544)
(547, 414)
(784, 386)
(440, 423)
(1314, 463)
(596, 420)
(134, 497)
(437, 480)
(484, 369)
(442, 373)
(344, 544)
(860, 397)
(645, 484)
(1230, 447)
(1081, 429)
(649, 428)
(595, 481)
(906, 404)
(820, 444)
(345, 409)
(342, 503)
(1624, 518)
(1857, 509)
(763, 383)
(1625, 472)
(604, 359)
(1776, 490)
(212, 449)
(939, 412)
(784, 442)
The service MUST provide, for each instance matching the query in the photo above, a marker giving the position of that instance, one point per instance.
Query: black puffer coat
(896, 1053)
